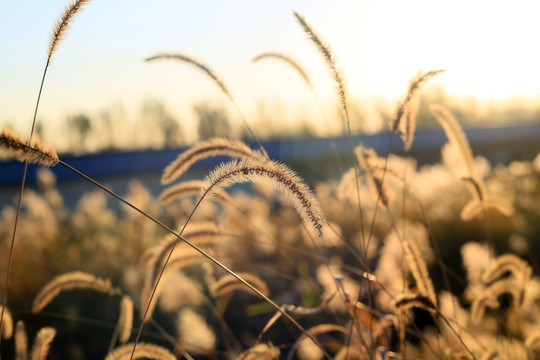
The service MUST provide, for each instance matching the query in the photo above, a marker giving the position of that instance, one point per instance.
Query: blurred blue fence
(314, 159)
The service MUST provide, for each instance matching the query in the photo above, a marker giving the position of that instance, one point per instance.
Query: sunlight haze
(487, 48)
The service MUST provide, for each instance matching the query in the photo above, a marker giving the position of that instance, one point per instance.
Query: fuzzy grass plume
(330, 60)
(204, 149)
(38, 153)
(21, 341)
(71, 280)
(42, 343)
(380, 189)
(277, 174)
(481, 201)
(288, 60)
(7, 328)
(197, 63)
(142, 351)
(418, 268)
(62, 24)
(405, 119)
(455, 135)
(125, 320)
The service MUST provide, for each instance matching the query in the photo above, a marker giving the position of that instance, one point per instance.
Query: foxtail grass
(288, 60)
(38, 153)
(330, 60)
(141, 351)
(7, 330)
(21, 341)
(42, 343)
(405, 119)
(276, 174)
(418, 268)
(72, 280)
(205, 149)
(125, 320)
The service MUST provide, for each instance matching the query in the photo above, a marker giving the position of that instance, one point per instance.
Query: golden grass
(345, 314)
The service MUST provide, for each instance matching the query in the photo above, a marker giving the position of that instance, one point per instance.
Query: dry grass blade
(227, 284)
(143, 350)
(62, 24)
(330, 60)
(21, 342)
(190, 188)
(418, 268)
(288, 60)
(72, 280)
(205, 149)
(406, 114)
(125, 320)
(39, 153)
(279, 175)
(42, 343)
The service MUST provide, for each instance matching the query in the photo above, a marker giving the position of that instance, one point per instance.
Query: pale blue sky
(489, 49)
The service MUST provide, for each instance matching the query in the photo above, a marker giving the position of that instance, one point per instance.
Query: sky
(489, 50)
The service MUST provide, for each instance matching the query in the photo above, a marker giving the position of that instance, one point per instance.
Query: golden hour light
(248, 180)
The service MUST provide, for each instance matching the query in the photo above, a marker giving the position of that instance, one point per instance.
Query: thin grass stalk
(19, 201)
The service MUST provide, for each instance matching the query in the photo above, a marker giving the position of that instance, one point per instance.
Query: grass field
(390, 256)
